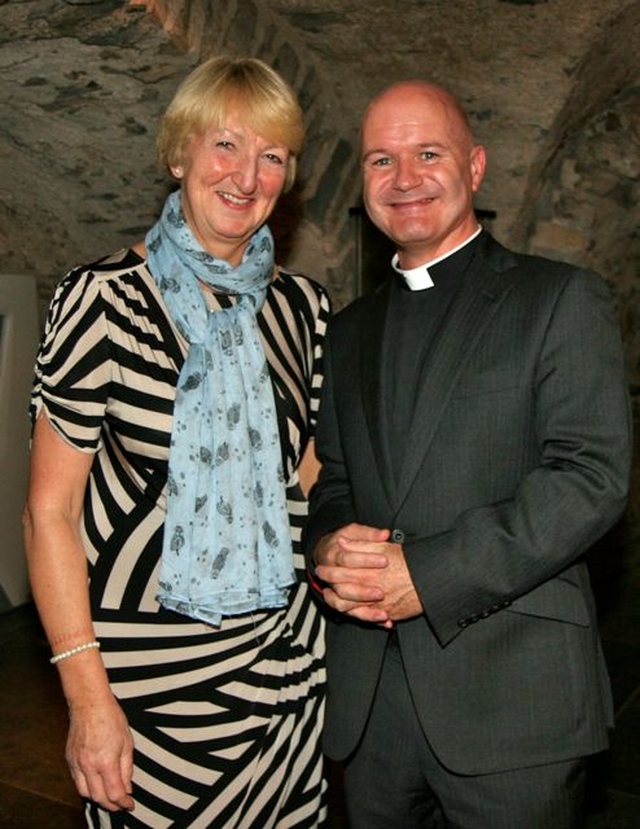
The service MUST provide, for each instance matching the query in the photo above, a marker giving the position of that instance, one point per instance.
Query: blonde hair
(203, 100)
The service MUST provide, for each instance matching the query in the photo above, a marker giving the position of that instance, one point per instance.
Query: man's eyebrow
(379, 151)
(421, 147)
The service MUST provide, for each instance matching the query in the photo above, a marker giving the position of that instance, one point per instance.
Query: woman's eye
(275, 158)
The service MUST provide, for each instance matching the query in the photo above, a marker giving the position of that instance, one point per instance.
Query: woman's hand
(100, 754)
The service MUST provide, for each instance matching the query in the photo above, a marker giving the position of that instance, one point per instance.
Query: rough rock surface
(552, 88)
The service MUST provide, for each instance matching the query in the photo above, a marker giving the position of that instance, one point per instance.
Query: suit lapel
(372, 373)
(481, 294)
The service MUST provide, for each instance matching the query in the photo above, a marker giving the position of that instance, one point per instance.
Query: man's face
(421, 170)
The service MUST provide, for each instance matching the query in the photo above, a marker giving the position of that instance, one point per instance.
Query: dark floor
(35, 792)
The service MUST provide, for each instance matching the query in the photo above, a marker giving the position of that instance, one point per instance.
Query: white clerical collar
(419, 279)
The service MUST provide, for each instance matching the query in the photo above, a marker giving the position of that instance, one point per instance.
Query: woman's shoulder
(113, 267)
(300, 287)
(90, 284)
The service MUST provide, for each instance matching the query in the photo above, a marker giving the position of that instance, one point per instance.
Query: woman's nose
(246, 174)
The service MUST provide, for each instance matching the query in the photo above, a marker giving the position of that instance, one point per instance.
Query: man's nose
(406, 174)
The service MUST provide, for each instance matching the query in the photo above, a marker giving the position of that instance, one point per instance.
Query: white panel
(18, 343)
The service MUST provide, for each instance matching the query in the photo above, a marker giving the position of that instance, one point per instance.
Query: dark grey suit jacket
(518, 461)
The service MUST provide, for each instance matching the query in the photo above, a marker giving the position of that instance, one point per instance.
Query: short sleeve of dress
(72, 371)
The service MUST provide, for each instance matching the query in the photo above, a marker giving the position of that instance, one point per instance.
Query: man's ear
(477, 165)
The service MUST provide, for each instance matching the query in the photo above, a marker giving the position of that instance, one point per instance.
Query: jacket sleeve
(493, 554)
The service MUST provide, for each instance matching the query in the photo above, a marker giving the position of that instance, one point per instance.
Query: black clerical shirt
(414, 321)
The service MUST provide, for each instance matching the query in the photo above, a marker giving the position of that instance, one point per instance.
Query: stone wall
(83, 84)
(552, 88)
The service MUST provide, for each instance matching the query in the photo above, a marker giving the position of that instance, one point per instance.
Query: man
(475, 441)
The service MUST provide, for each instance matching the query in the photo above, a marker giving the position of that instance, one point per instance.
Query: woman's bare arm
(99, 746)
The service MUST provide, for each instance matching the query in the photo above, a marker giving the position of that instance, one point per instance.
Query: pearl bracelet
(73, 651)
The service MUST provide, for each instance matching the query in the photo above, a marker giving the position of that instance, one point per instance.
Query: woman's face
(231, 180)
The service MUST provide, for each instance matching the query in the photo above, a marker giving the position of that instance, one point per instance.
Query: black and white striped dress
(226, 722)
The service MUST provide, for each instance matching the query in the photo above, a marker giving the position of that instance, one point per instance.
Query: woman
(170, 467)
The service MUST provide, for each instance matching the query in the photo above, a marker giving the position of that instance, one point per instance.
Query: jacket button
(397, 536)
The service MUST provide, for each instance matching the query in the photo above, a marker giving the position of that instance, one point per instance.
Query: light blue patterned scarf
(227, 545)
